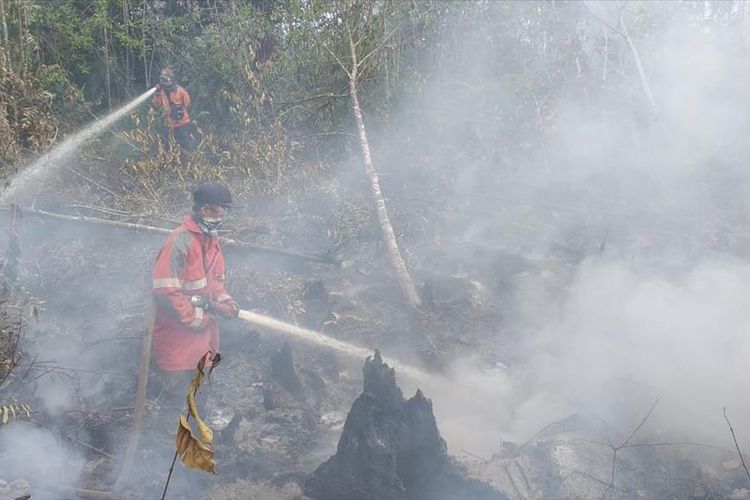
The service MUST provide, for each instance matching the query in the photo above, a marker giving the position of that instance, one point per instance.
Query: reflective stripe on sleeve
(194, 285)
(167, 283)
(198, 318)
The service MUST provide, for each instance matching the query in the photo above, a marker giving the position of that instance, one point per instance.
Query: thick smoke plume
(653, 306)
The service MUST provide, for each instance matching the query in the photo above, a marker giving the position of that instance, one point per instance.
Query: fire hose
(324, 340)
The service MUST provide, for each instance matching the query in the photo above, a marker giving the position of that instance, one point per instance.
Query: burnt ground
(279, 407)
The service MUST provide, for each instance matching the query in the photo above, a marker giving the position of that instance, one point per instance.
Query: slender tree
(355, 16)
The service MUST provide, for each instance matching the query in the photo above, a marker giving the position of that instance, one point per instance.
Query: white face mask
(210, 225)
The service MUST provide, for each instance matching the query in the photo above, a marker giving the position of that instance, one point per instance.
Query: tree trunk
(386, 229)
(21, 58)
(146, 75)
(107, 68)
(6, 43)
(605, 53)
(128, 50)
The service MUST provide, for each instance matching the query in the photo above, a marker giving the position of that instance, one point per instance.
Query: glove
(227, 309)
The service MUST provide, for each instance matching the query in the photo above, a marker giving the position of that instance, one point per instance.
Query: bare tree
(352, 70)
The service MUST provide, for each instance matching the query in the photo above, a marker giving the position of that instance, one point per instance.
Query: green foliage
(268, 78)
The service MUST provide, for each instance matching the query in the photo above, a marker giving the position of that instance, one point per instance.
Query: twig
(537, 434)
(678, 443)
(653, 407)
(523, 475)
(602, 20)
(78, 442)
(23, 377)
(93, 448)
(335, 57)
(624, 444)
(593, 478)
(89, 179)
(329, 95)
(475, 456)
(122, 213)
(80, 370)
(742, 459)
(379, 46)
(171, 469)
(623, 32)
(101, 410)
(506, 468)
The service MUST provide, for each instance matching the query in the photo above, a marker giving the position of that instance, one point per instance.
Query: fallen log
(228, 242)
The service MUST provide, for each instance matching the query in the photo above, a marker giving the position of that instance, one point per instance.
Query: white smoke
(50, 162)
(658, 310)
(38, 457)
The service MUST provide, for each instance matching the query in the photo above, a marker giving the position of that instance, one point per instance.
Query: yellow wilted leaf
(192, 452)
(196, 453)
(207, 435)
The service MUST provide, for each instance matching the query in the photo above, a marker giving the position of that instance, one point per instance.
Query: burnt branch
(736, 445)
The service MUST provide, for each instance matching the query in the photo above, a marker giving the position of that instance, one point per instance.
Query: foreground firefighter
(174, 101)
(188, 288)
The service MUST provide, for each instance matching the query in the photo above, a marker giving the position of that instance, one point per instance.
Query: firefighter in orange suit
(188, 287)
(174, 101)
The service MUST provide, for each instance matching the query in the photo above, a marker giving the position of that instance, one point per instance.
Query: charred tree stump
(391, 448)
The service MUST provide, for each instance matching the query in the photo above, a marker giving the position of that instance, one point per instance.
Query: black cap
(213, 194)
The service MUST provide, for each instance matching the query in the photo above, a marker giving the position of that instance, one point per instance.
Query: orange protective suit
(176, 105)
(190, 263)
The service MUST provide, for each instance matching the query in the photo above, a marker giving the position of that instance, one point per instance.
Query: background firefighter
(174, 101)
(188, 289)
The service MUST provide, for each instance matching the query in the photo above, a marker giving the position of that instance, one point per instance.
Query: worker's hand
(227, 309)
(158, 88)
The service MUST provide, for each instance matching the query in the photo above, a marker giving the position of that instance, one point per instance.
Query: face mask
(210, 225)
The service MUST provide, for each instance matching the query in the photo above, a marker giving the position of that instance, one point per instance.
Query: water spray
(325, 341)
(54, 159)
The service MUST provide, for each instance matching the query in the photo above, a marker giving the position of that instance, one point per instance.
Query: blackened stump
(391, 448)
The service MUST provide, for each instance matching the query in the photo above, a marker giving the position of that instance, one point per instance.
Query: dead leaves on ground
(12, 412)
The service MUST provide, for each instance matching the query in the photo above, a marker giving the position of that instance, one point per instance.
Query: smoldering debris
(23, 447)
(391, 447)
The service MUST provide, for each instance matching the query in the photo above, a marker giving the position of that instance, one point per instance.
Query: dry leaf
(192, 452)
(207, 435)
(196, 453)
